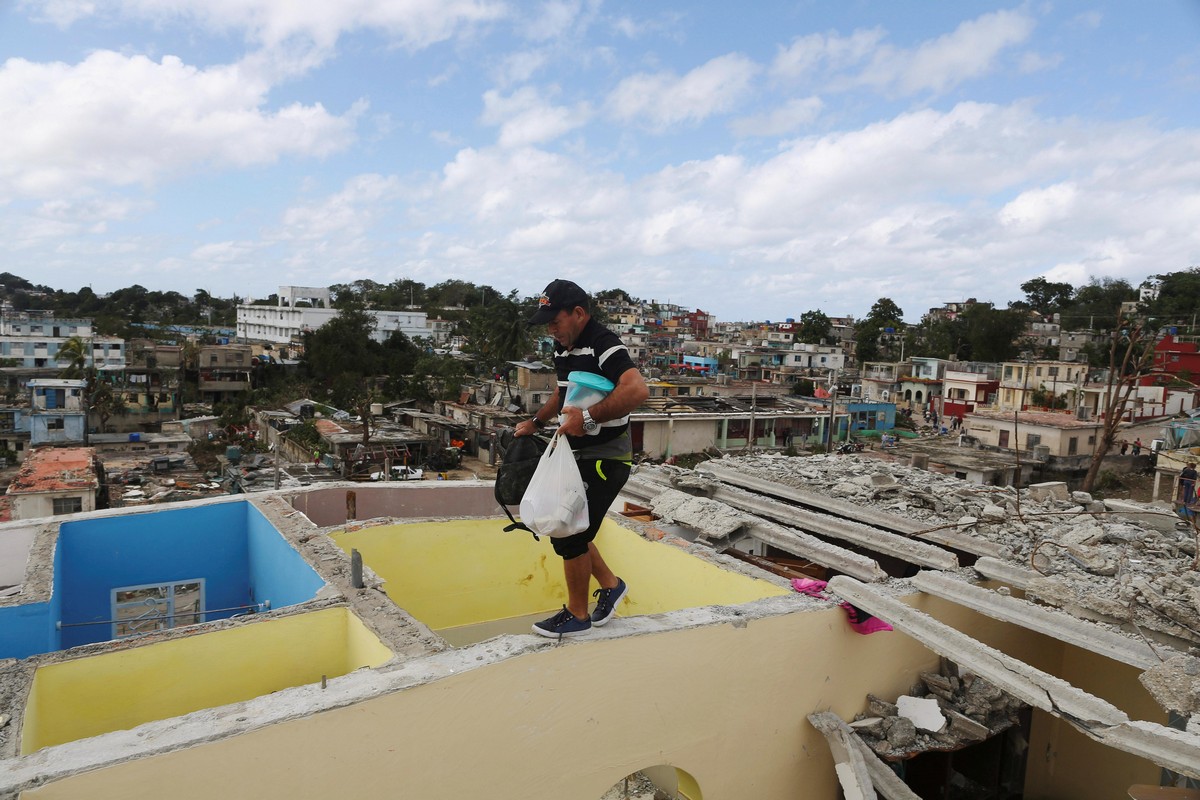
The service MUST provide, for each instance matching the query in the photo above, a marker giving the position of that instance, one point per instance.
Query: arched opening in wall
(661, 782)
(908, 394)
(918, 395)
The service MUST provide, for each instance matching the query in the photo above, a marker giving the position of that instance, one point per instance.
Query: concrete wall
(406, 501)
(688, 698)
(35, 506)
(14, 554)
(661, 438)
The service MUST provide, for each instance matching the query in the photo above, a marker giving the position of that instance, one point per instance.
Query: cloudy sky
(755, 160)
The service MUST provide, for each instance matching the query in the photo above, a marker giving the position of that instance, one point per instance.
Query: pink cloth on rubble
(859, 620)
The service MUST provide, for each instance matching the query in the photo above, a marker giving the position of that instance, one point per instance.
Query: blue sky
(754, 160)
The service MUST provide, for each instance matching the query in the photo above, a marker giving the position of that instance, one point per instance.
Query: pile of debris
(948, 710)
(1117, 560)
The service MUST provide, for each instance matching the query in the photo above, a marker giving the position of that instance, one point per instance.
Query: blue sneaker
(607, 601)
(562, 625)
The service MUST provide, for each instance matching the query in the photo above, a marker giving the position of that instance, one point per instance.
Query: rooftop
(56, 469)
(234, 646)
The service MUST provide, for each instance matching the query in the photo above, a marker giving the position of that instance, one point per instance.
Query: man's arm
(629, 393)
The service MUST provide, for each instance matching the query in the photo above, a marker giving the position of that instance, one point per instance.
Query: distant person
(1137, 446)
(1124, 447)
(1187, 484)
(599, 437)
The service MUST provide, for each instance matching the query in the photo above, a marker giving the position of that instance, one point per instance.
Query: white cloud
(1036, 209)
(663, 99)
(918, 207)
(943, 63)
(1037, 62)
(825, 52)
(792, 115)
(525, 118)
(936, 65)
(117, 120)
(344, 216)
(411, 23)
(552, 19)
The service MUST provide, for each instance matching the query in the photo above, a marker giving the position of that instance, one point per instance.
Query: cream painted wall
(687, 436)
(727, 703)
(34, 506)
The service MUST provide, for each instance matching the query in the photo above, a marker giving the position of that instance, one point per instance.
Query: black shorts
(604, 480)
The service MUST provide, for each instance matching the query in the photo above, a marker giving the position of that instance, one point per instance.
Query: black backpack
(521, 455)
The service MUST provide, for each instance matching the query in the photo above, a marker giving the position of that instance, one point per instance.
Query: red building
(1178, 359)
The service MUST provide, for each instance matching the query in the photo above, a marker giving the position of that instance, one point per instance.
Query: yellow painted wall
(449, 574)
(725, 703)
(114, 691)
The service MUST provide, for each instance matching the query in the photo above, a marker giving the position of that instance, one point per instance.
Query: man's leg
(578, 572)
(600, 571)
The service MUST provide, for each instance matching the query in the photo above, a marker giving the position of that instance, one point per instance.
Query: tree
(1178, 300)
(1098, 300)
(991, 334)
(815, 327)
(870, 333)
(1046, 297)
(1130, 357)
(74, 351)
(499, 331)
(105, 403)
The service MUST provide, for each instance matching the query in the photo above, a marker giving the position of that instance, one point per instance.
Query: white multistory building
(287, 320)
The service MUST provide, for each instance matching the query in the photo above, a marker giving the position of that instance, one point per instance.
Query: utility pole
(832, 406)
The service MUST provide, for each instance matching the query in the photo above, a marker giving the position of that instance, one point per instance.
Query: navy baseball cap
(557, 296)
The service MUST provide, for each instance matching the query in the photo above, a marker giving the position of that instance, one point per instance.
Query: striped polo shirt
(600, 351)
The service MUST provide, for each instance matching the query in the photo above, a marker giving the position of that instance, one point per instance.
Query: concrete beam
(848, 762)
(1057, 624)
(1100, 607)
(880, 541)
(878, 519)
(1093, 716)
(882, 778)
(796, 543)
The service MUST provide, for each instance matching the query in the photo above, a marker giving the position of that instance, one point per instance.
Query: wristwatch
(589, 425)
(537, 423)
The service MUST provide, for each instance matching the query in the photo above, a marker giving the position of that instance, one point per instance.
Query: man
(599, 437)
(1187, 484)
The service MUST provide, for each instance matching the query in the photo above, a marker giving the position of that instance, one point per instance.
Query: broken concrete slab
(880, 541)
(795, 542)
(1049, 490)
(1056, 624)
(1149, 516)
(848, 760)
(891, 522)
(922, 711)
(712, 519)
(1175, 683)
(1093, 716)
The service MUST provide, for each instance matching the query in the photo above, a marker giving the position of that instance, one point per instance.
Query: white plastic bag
(555, 503)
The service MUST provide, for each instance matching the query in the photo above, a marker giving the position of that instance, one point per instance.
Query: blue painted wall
(25, 630)
(242, 558)
(277, 572)
(72, 431)
(100, 555)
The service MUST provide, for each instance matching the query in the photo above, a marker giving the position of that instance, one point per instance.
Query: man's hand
(526, 428)
(571, 421)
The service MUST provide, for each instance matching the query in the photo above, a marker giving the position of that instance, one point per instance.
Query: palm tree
(75, 352)
(105, 403)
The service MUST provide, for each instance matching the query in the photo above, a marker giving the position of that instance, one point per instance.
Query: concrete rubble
(1128, 564)
(947, 710)
(1116, 577)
